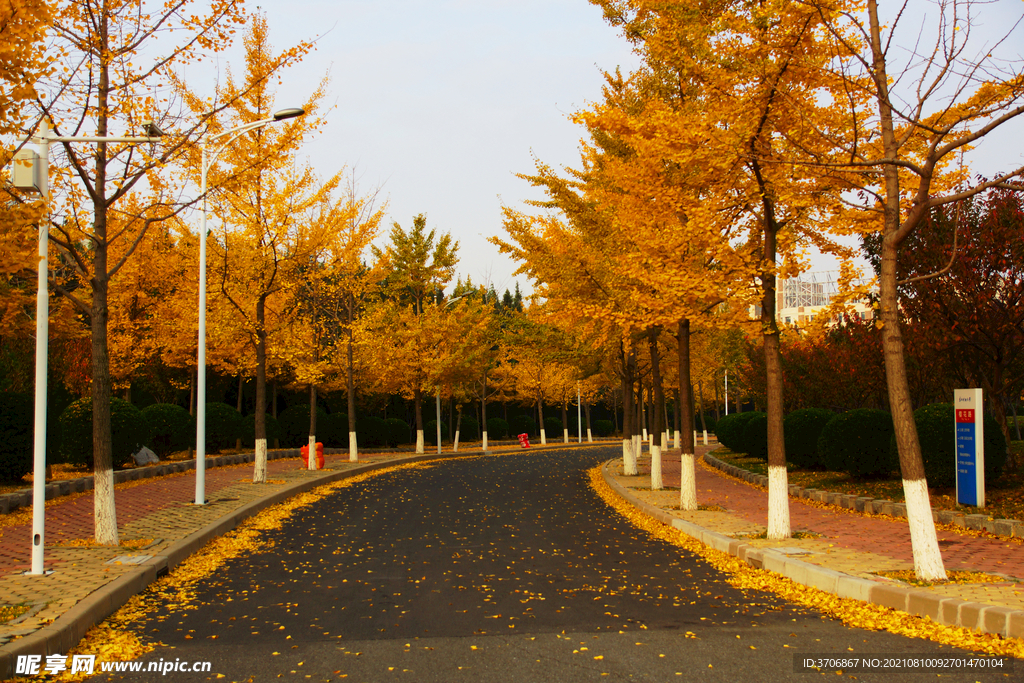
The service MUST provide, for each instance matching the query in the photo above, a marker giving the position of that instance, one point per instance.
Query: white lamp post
(31, 171)
(207, 161)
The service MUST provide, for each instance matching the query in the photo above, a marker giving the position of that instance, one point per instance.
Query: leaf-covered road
(500, 568)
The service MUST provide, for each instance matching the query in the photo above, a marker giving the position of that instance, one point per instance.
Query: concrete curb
(1002, 621)
(999, 527)
(68, 629)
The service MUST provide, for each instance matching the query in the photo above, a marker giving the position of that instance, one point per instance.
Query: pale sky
(441, 102)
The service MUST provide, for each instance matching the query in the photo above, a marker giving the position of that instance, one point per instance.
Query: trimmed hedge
(470, 429)
(129, 431)
(273, 428)
(497, 428)
(171, 428)
(294, 423)
(16, 423)
(709, 419)
(755, 436)
(430, 431)
(552, 427)
(224, 426)
(802, 429)
(398, 431)
(371, 431)
(336, 434)
(524, 424)
(936, 431)
(730, 430)
(603, 427)
(857, 442)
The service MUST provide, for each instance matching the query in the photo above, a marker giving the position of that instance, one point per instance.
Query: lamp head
(288, 113)
(152, 130)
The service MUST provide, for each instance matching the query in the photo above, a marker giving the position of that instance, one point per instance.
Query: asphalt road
(500, 568)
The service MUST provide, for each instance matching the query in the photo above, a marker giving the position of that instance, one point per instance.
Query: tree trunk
(778, 485)
(629, 454)
(688, 472)
(703, 422)
(277, 441)
(565, 421)
(312, 461)
(104, 511)
(540, 420)
(418, 406)
(238, 441)
(458, 426)
(483, 415)
(658, 400)
(590, 434)
(192, 408)
(927, 558)
(615, 412)
(350, 385)
(259, 474)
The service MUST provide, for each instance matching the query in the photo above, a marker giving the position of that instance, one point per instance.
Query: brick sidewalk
(850, 542)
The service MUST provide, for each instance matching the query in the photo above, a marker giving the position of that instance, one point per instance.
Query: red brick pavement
(850, 529)
(72, 518)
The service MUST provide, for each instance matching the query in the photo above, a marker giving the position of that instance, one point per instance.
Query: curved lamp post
(207, 161)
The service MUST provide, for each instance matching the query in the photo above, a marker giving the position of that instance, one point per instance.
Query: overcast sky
(441, 102)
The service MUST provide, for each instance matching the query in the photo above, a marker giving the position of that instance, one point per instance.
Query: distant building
(799, 300)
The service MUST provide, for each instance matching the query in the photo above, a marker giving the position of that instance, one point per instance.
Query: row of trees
(750, 135)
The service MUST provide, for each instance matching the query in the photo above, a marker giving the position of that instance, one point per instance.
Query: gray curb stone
(1002, 621)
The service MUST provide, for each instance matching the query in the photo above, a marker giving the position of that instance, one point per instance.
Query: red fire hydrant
(319, 455)
(524, 440)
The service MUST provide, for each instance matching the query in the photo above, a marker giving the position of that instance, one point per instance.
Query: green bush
(709, 419)
(470, 429)
(755, 436)
(16, 432)
(171, 428)
(398, 431)
(553, 427)
(336, 432)
(430, 431)
(223, 426)
(497, 428)
(857, 442)
(129, 431)
(371, 432)
(730, 430)
(936, 431)
(294, 423)
(802, 429)
(273, 428)
(603, 427)
(524, 424)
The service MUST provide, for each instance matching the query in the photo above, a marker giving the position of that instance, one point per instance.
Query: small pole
(579, 415)
(439, 420)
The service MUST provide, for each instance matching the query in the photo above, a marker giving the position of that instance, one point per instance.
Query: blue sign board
(970, 449)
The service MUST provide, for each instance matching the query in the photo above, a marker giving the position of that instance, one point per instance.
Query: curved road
(500, 568)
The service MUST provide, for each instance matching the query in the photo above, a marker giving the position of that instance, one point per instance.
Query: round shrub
(936, 432)
(470, 429)
(129, 431)
(16, 433)
(398, 431)
(371, 431)
(273, 429)
(802, 429)
(708, 419)
(524, 424)
(335, 430)
(730, 430)
(224, 426)
(294, 423)
(553, 427)
(497, 428)
(171, 428)
(603, 427)
(755, 436)
(430, 431)
(857, 442)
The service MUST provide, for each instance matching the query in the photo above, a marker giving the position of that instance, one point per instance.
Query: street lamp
(207, 161)
(31, 171)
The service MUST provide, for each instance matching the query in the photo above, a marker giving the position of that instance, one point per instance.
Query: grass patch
(10, 612)
(1004, 499)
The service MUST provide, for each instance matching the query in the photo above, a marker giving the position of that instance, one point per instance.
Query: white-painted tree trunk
(928, 564)
(656, 484)
(695, 436)
(645, 433)
(419, 440)
(103, 510)
(455, 446)
(664, 439)
(259, 465)
(543, 438)
(628, 458)
(353, 450)
(311, 461)
(565, 435)
(638, 446)
(590, 437)
(778, 503)
(676, 438)
(705, 437)
(483, 435)
(688, 482)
